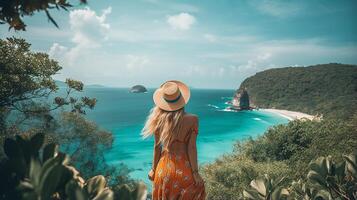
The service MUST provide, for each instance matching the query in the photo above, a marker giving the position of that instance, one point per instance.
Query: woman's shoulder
(191, 117)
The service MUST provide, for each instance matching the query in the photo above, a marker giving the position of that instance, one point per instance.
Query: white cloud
(57, 50)
(182, 21)
(91, 59)
(88, 30)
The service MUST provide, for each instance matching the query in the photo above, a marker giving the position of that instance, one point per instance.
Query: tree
(26, 91)
(12, 11)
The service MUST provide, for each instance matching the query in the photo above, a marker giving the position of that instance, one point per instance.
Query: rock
(241, 100)
(244, 100)
(138, 89)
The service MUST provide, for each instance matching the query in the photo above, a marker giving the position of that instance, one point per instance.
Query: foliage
(24, 74)
(27, 76)
(335, 179)
(328, 89)
(12, 11)
(27, 174)
(265, 188)
(299, 142)
(282, 151)
(83, 140)
(326, 179)
(228, 177)
(26, 91)
(26, 79)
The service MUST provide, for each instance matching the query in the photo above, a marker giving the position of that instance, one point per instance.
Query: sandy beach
(290, 115)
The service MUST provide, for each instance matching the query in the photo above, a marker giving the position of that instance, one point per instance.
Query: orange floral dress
(173, 176)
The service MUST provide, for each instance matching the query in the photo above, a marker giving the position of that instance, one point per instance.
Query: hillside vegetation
(284, 151)
(301, 160)
(328, 89)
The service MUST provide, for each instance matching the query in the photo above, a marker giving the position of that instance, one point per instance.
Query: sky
(206, 44)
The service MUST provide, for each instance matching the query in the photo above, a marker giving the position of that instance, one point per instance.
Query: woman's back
(178, 143)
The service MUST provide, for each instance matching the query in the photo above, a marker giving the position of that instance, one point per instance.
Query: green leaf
(50, 18)
(259, 186)
(322, 166)
(106, 194)
(140, 191)
(95, 185)
(35, 171)
(50, 180)
(49, 151)
(315, 178)
(279, 193)
(52, 162)
(351, 162)
(252, 194)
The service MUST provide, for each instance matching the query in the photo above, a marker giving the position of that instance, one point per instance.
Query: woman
(174, 170)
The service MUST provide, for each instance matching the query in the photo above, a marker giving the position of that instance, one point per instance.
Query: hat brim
(161, 103)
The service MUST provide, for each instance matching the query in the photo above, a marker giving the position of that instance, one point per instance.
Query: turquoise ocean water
(124, 114)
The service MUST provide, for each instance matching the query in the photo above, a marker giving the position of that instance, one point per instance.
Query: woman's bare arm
(157, 151)
(192, 154)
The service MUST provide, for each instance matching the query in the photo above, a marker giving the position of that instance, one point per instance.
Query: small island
(138, 89)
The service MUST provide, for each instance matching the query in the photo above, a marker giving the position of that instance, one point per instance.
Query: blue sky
(207, 44)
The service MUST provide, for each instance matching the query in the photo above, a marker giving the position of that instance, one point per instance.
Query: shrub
(327, 179)
(227, 177)
(299, 142)
(28, 174)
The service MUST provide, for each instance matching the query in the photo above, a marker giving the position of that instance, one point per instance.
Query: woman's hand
(151, 175)
(198, 179)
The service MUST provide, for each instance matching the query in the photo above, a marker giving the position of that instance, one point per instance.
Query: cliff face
(241, 100)
(329, 89)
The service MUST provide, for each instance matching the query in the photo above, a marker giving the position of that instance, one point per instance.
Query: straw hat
(172, 95)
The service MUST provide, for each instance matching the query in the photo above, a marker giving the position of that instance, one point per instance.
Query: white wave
(213, 106)
(262, 121)
(227, 110)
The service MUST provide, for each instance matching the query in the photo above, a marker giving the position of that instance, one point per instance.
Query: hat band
(173, 100)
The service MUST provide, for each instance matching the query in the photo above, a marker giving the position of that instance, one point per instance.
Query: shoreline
(290, 115)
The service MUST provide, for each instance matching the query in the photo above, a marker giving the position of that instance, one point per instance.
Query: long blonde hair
(165, 123)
